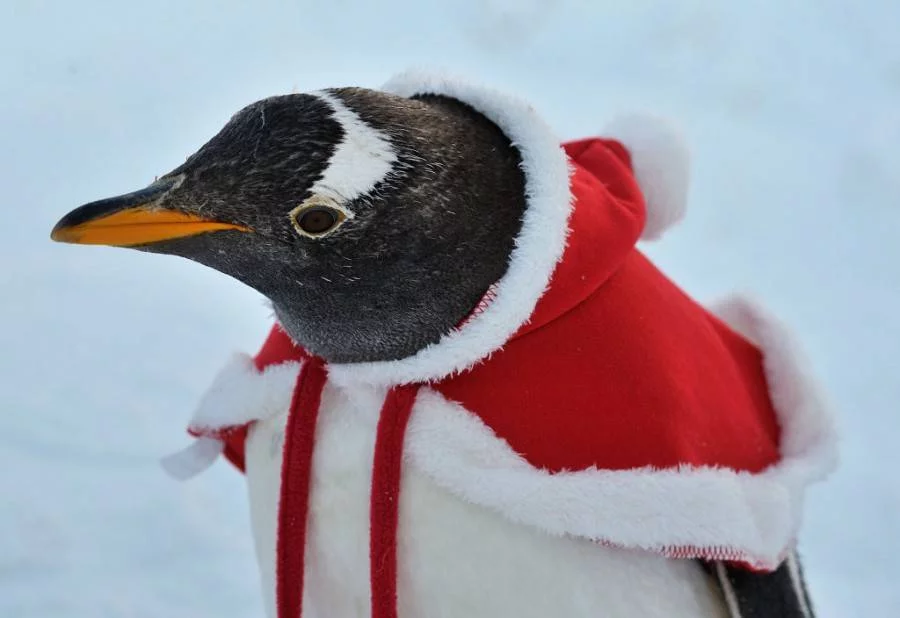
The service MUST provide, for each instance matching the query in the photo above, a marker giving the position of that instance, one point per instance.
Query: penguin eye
(317, 220)
(317, 217)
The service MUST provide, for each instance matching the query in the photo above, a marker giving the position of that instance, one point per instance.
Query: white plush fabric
(455, 558)
(661, 162)
(539, 245)
(240, 394)
(808, 434)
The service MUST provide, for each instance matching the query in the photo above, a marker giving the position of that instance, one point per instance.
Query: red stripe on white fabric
(385, 501)
(293, 505)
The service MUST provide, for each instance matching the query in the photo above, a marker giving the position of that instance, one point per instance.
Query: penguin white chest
(455, 558)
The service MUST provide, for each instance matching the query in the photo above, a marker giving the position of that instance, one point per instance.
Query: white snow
(792, 111)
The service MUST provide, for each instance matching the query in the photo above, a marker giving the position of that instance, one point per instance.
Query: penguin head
(374, 223)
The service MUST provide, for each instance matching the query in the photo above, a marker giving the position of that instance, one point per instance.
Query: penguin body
(480, 398)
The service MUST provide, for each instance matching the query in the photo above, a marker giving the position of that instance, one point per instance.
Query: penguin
(479, 397)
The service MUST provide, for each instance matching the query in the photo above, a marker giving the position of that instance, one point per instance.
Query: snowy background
(793, 113)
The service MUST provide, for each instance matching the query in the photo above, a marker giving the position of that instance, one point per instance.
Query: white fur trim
(240, 393)
(808, 435)
(661, 163)
(362, 159)
(538, 248)
(194, 459)
(737, 515)
(455, 558)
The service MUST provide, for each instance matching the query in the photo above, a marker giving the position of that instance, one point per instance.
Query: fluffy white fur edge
(755, 515)
(240, 394)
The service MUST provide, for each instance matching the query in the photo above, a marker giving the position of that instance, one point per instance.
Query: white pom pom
(661, 163)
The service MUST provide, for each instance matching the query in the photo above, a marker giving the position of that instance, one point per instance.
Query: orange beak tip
(134, 226)
(134, 219)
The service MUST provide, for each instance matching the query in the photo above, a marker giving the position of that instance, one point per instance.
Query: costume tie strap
(296, 473)
(385, 505)
(293, 505)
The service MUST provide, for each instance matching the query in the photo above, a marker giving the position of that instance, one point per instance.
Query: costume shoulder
(246, 389)
(666, 474)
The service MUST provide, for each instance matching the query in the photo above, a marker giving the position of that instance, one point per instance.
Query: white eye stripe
(362, 159)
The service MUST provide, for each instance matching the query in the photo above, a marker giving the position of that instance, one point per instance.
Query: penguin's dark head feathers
(374, 223)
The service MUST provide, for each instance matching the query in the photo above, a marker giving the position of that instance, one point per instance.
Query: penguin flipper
(781, 593)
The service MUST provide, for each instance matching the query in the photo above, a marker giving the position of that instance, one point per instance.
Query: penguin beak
(133, 219)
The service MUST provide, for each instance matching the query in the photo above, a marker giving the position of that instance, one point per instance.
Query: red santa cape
(587, 395)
